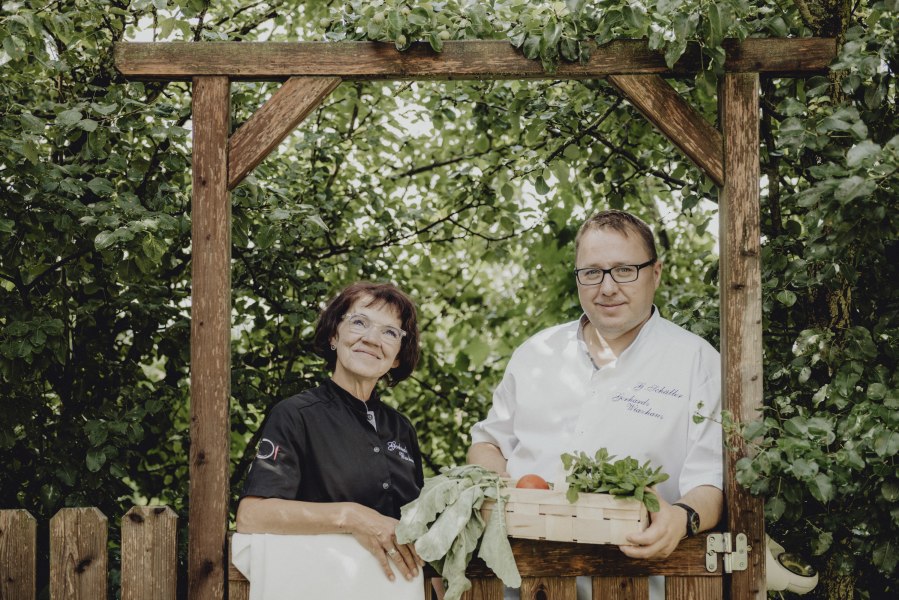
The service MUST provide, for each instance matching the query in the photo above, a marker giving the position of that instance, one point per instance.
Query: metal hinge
(735, 559)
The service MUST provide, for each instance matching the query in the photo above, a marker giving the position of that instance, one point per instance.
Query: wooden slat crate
(547, 515)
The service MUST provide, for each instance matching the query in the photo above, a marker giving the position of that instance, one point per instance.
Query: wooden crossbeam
(471, 59)
(677, 120)
(269, 125)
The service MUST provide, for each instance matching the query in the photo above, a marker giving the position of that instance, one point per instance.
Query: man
(620, 377)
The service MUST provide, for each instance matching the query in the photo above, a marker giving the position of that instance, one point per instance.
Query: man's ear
(657, 271)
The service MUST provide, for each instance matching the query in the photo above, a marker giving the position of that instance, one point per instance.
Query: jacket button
(385, 485)
(376, 449)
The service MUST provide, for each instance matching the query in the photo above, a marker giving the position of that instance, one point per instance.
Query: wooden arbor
(310, 71)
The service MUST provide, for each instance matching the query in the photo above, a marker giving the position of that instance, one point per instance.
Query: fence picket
(548, 588)
(487, 588)
(18, 555)
(149, 553)
(694, 588)
(78, 557)
(622, 588)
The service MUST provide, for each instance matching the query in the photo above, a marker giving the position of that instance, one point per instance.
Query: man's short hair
(624, 223)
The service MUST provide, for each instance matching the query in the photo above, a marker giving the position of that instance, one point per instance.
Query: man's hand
(669, 525)
(665, 531)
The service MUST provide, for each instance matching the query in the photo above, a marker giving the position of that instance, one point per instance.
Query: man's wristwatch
(692, 519)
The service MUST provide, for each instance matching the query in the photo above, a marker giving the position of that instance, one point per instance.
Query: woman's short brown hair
(380, 293)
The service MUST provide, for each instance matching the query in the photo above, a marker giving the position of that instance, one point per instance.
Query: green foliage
(549, 31)
(624, 478)
(468, 195)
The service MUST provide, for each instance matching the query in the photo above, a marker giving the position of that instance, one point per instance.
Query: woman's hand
(377, 534)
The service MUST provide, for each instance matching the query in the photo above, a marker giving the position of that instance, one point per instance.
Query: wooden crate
(593, 519)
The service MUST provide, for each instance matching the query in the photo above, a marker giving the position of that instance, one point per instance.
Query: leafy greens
(624, 478)
(446, 525)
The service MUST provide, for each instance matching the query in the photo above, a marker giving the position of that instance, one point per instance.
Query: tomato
(532, 481)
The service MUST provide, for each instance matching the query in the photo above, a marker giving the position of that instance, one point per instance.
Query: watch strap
(692, 518)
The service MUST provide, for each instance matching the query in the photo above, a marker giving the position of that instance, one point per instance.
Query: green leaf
(100, 186)
(775, 508)
(68, 117)
(95, 459)
(862, 152)
(876, 391)
(854, 187)
(153, 248)
(886, 443)
(572, 152)
(821, 487)
(551, 34)
(786, 297)
(890, 491)
(541, 186)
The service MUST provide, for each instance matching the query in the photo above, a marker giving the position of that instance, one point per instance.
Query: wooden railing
(549, 571)
(78, 563)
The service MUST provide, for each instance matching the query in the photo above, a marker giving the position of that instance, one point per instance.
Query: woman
(335, 459)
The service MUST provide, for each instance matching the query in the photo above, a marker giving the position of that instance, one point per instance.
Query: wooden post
(741, 311)
(18, 555)
(210, 339)
(149, 553)
(78, 554)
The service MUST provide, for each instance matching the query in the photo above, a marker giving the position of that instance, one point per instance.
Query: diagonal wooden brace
(678, 121)
(274, 121)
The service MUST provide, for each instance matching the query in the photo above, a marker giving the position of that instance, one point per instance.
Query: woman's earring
(333, 347)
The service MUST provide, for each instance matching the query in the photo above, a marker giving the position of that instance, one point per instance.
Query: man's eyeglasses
(360, 324)
(620, 274)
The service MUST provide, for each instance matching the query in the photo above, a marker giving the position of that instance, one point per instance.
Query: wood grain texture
(694, 588)
(622, 588)
(18, 555)
(78, 560)
(551, 559)
(548, 588)
(741, 310)
(149, 553)
(238, 586)
(489, 588)
(210, 349)
(678, 121)
(274, 121)
(470, 59)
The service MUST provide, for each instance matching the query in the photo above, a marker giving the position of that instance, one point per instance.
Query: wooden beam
(741, 311)
(210, 339)
(471, 59)
(269, 125)
(678, 121)
(554, 559)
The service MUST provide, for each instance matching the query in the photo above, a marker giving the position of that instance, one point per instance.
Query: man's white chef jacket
(553, 400)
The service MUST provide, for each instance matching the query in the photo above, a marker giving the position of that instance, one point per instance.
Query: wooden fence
(78, 554)
(78, 563)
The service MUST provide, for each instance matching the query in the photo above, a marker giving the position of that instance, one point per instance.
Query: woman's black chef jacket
(318, 446)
